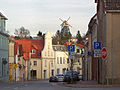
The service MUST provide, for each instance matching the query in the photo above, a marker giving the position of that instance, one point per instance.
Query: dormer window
(33, 51)
(78, 51)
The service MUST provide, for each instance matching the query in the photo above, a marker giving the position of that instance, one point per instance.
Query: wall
(113, 43)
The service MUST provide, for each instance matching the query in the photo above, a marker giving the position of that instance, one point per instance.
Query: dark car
(53, 79)
(71, 75)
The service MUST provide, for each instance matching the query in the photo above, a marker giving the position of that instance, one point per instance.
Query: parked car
(80, 77)
(71, 74)
(60, 77)
(53, 79)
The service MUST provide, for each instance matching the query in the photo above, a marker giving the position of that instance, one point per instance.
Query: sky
(43, 15)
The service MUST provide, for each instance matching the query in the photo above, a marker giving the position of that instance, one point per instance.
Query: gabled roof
(3, 16)
(38, 45)
(28, 45)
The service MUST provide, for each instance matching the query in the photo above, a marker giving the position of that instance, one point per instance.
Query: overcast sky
(44, 15)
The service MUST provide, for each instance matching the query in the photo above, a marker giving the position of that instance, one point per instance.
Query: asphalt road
(43, 85)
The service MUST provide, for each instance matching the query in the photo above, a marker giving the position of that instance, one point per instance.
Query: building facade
(48, 58)
(4, 72)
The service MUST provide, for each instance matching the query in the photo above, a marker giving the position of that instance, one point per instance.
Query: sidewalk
(89, 84)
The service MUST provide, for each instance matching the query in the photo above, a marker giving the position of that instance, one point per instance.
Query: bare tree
(22, 32)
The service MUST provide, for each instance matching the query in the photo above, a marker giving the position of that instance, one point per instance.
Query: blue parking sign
(97, 45)
(71, 48)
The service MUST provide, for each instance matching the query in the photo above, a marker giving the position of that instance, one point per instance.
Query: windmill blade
(61, 20)
(68, 18)
(69, 25)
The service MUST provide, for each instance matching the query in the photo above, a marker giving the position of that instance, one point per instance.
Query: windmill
(65, 26)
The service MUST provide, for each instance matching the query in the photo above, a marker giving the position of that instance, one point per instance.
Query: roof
(112, 4)
(80, 45)
(59, 48)
(38, 45)
(3, 16)
(28, 45)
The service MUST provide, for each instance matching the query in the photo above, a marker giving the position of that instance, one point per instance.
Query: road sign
(90, 53)
(97, 45)
(71, 48)
(10, 66)
(71, 57)
(97, 53)
(71, 53)
(10, 77)
(104, 53)
(15, 65)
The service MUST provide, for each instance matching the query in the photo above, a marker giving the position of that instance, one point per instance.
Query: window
(48, 53)
(30, 63)
(58, 71)
(57, 60)
(33, 51)
(45, 63)
(78, 51)
(60, 60)
(63, 60)
(18, 58)
(52, 72)
(52, 63)
(35, 63)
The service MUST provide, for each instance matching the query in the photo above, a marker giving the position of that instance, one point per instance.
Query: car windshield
(59, 75)
(70, 72)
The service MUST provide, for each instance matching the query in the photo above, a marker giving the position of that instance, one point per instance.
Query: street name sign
(97, 53)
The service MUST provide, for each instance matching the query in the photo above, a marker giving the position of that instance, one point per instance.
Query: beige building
(48, 58)
(35, 68)
(11, 60)
(108, 16)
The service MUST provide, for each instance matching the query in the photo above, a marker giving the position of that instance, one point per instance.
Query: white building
(61, 55)
(54, 58)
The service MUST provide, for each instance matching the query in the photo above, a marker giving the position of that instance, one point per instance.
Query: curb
(89, 86)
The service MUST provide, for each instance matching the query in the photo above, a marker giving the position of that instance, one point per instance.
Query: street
(43, 85)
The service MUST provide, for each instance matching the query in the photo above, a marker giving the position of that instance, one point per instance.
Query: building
(31, 57)
(61, 55)
(11, 60)
(26, 49)
(108, 14)
(77, 59)
(35, 60)
(92, 60)
(104, 28)
(4, 73)
(48, 58)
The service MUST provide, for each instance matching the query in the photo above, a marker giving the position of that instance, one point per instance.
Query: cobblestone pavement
(46, 85)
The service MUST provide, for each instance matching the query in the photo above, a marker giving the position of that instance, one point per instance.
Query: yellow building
(11, 60)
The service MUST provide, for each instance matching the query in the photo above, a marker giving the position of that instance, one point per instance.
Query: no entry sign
(104, 53)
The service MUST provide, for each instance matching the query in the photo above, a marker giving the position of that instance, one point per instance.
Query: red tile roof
(80, 45)
(28, 45)
(38, 45)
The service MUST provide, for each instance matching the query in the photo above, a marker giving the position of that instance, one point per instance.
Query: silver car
(60, 77)
(80, 77)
